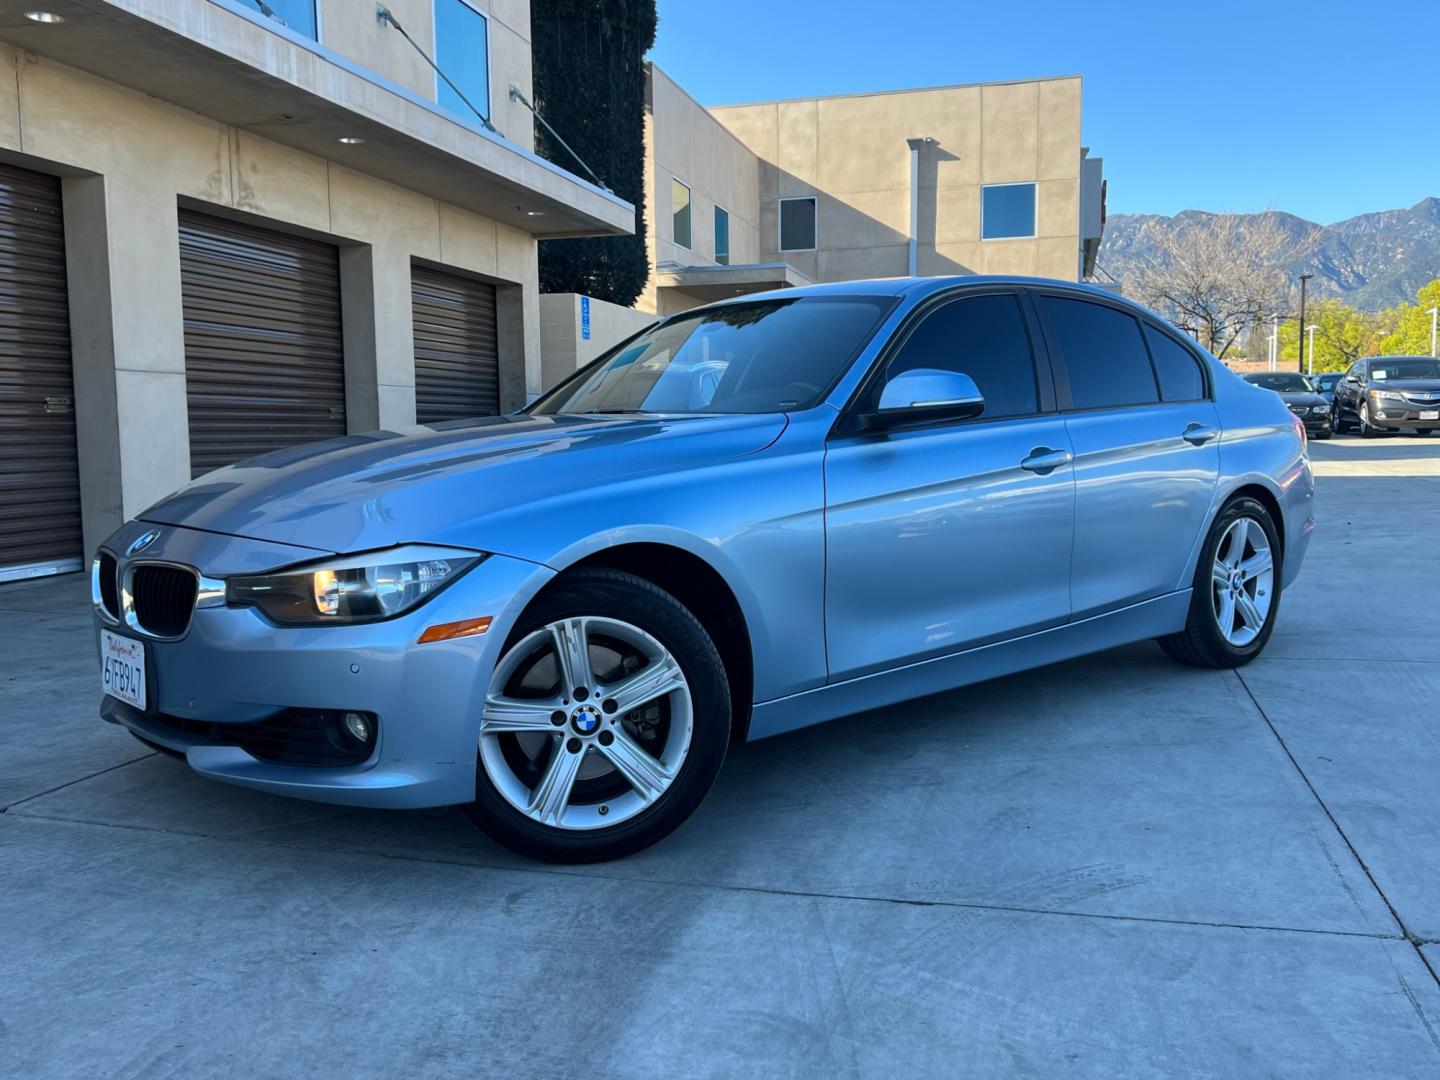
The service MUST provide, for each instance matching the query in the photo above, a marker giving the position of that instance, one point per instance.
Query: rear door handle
(1199, 434)
(1044, 461)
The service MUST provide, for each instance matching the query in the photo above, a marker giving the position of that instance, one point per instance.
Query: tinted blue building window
(463, 52)
(298, 15)
(722, 236)
(1007, 210)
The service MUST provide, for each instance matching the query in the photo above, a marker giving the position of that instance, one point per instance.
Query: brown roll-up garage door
(264, 367)
(39, 482)
(457, 357)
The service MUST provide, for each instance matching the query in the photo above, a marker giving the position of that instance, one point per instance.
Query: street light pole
(1434, 324)
(1304, 279)
(1274, 340)
(1311, 369)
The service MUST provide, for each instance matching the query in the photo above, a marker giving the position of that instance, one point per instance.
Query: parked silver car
(751, 517)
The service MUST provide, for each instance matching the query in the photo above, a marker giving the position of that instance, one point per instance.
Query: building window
(797, 224)
(462, 51)
(722, 236)
(1007, 210)
(297, 15)
(680, 207)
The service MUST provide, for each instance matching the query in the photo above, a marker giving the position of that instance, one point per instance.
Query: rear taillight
(1299, 426)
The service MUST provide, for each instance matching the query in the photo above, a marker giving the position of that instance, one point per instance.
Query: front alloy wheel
(605, 722)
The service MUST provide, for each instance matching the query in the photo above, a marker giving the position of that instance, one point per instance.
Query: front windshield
(765, 356)
(1281, 382)
(1409, 367)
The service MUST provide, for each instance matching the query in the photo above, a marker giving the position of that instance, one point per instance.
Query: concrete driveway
(1115, 866)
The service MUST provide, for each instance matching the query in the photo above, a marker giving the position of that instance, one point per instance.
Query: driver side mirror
(925, 394)
(1352, 378)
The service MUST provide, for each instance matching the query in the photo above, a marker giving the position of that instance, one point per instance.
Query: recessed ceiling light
(534, 213)
(351, 140)
(49, 18)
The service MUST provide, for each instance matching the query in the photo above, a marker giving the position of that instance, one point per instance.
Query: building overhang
(223, 60)
(709, 283)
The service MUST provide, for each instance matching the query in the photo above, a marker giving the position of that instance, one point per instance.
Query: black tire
(1367, 429)
(617, 595)
(1337, 421)
(1200, 643)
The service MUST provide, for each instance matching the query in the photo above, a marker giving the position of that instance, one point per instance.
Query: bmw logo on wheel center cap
(585, 720)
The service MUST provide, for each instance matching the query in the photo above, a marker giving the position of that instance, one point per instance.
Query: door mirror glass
(930, 394)
(1352, 378)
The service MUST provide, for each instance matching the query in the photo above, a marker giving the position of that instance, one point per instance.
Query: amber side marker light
(449, 630)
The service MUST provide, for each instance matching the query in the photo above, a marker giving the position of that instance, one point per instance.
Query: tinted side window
(985, 337)
(1176, 366)
(1103, 352)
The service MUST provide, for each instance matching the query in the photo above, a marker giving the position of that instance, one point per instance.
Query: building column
(128, 347)
(379, 338)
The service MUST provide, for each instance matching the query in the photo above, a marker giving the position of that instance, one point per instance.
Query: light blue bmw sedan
(750, 517)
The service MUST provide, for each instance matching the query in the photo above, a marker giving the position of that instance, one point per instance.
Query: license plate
(1430, 414)
(122, 668)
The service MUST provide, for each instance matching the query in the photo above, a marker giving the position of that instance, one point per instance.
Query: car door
(1145, 434)
(1347, 391)
(946, 536)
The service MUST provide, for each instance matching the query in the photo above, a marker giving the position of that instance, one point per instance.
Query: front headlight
(1387, 395)
(354, 588)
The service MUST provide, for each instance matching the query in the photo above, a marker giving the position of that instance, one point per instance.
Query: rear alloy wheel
(605, 723)
(1337, 420)
(1236, 591)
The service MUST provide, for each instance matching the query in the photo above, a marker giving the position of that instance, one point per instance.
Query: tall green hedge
(590, 85)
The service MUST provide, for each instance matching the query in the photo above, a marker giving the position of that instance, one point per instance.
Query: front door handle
(1044, 461)
(1199, 434)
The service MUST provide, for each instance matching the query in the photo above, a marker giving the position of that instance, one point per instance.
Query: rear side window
(1175, 366)
(1104, 354)
(983, 337)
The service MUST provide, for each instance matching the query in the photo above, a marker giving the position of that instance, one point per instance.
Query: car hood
(1408, 386)
(1304, 398)
(438, 484)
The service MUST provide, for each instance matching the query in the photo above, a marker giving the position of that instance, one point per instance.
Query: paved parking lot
(1115, 866)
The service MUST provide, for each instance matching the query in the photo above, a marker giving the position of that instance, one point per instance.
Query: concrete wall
(128, 161)
(349, 27)
(684, 142)
(564, 349)
(850, 152)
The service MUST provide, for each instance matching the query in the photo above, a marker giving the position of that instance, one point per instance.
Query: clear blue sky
(1326, 109)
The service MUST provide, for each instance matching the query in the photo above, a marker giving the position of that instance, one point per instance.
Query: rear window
(1175, 366)
(1104, 354)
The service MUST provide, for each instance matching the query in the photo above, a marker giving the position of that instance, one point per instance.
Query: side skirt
(1148, 619)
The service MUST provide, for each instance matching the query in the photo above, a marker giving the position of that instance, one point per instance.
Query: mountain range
(1371, 262)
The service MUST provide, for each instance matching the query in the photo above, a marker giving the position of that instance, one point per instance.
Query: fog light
(357, 726)
(1379, 414)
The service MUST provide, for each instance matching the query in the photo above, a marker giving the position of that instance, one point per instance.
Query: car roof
(921, 286)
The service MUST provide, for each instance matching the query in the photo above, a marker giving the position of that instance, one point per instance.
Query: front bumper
(234, 667)
(1402, 415)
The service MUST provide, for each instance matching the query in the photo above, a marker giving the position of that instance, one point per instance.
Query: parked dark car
(1303, 401)
(1325, 384)
(1381, 394)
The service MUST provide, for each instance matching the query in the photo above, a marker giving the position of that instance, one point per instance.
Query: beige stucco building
(985, 179)
(224, 231)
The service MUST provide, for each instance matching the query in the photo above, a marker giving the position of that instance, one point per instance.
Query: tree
(1342, 336)
(1215, 277)
(1411, 333)
(589, 58)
